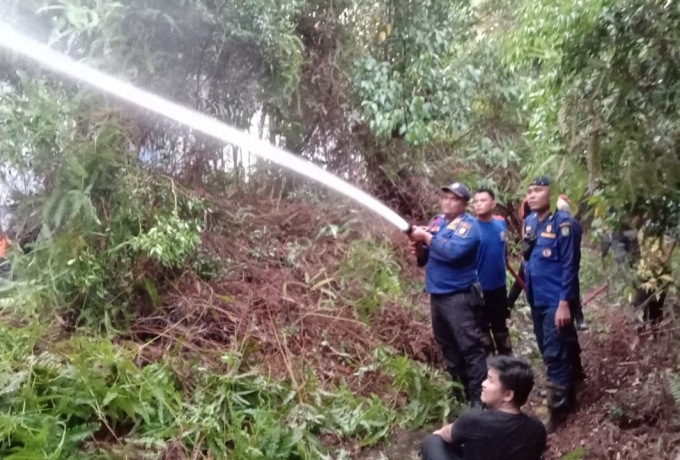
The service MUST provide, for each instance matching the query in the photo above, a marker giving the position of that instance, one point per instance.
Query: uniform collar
(460, 216)
(547, 218)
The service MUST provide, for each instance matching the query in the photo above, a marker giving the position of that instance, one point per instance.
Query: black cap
(541, 180)
(458, 189)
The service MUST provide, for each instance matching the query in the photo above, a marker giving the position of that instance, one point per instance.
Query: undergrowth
(86, 397)
(372, 267)
(674, 385)
(106, 244)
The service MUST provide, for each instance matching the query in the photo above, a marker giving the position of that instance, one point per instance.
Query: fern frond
(674, 385)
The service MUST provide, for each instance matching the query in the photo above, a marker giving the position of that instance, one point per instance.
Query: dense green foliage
(603, 95)
(56, 403)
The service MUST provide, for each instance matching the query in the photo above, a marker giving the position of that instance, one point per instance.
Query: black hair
(515, 375)
(486, 190)
(526, 209)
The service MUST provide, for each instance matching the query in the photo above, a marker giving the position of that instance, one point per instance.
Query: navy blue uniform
(578, 234)
(491, 255)
(576, 307)
(456, 299)
(451, 258)
(492, 277)
(551, 276)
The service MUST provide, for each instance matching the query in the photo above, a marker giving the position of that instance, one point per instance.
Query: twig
(656, 330)
(286, 355)
(321, 315)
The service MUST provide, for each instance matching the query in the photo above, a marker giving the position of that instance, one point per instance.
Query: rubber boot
(560, 402)
(476, 398)
(489, 347)
(461, 389)
(578, 374)
(459, 393)
(503, 343)
(581, 325)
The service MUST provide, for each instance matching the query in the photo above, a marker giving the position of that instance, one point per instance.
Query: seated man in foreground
(502, 432)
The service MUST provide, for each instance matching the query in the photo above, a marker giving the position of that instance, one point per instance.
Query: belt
(460, 291)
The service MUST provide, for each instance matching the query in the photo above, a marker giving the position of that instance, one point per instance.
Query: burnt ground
(625, 409)
(287, 302)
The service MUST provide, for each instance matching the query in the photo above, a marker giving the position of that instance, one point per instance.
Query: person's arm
(456, 432)
(422, 253)
(569, 288)
(445, 432)
(456, 247)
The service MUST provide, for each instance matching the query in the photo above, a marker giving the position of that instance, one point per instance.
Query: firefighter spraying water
(449, 248)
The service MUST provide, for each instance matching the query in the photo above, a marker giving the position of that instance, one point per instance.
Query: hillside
(303, 332)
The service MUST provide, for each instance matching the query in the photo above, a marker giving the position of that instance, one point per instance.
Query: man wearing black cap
(448, 249)
(551, 284)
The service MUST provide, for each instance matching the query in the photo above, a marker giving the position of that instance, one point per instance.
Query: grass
(88, 396)
(63, 399)
(592, 274)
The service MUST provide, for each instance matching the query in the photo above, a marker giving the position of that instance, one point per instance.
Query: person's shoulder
(472, 415)
(534, 424)
(531, 221)
(562, 217)
(470, 222)
(469, 218)
(436, 219)
(475, 229)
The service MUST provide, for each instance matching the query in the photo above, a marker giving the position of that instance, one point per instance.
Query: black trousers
(456, 326)
(576, 308)
(652, 304)
(435, 448)
(495, 335)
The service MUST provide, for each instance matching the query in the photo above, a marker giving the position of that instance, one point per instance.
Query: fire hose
(585, 301)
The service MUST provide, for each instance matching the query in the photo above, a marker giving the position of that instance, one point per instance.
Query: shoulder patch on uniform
(565, 230)
(454, 223)
(463, 229)
(502, 236)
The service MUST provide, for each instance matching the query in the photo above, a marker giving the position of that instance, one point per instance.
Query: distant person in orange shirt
(4, 264)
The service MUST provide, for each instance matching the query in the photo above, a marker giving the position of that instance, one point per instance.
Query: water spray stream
(20, 44)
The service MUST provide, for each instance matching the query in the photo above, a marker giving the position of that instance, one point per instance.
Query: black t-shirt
(496, 435)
